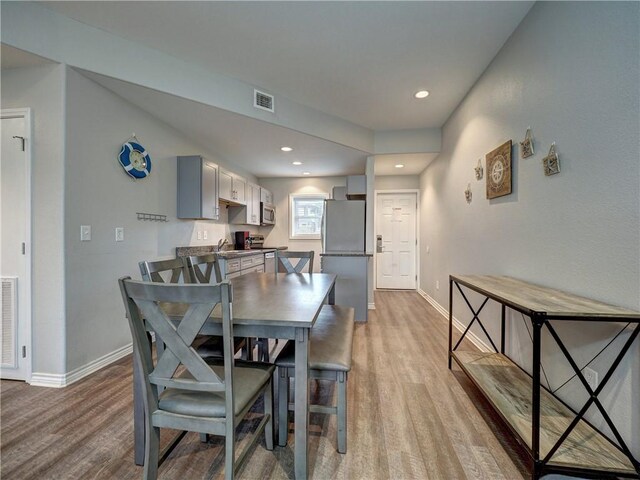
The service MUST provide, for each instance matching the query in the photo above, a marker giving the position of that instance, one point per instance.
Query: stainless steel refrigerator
(343, 226)
(343, 245)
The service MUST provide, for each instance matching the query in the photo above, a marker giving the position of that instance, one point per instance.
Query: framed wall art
(499, 171)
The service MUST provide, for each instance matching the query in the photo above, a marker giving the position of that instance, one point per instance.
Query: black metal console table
(558, 438)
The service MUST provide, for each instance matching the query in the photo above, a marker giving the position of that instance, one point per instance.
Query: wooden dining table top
(273, 299)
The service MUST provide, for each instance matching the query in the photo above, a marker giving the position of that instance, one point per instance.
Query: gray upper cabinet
(232, 188)
(249, 214)
(266, 196)
(197, 188)
(357, 187)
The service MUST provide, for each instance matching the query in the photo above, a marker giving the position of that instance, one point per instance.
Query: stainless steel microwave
(267, 214)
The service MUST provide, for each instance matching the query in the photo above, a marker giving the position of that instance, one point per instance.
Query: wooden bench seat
(330, 347)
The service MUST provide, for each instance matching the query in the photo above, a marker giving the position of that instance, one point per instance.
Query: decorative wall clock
(134, 159)
(551, 162)
(499, 171)
(526, 146)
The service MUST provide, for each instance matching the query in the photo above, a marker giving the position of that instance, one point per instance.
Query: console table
(558, 438)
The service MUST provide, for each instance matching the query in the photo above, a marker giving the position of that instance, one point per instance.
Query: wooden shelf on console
(509, 390)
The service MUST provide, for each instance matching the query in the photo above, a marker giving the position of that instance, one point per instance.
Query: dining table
(265, 305)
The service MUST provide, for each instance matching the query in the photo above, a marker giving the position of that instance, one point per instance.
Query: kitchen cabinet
(232, 187)
(266, 196)
(250, 213)
(357, 187)
(197, 188)
(237, 266)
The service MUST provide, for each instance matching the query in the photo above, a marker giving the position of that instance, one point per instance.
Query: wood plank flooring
(409, 417)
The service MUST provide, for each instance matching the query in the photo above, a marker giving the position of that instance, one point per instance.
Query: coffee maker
(242, 241)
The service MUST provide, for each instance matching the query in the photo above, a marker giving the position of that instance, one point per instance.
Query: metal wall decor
(526, 146)
(479, 170)
(499, 171)
(551, 162)
(153, 217)
(467, 193)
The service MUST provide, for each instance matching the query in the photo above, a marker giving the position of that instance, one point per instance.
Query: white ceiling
(414, 163)
(15, 58)
(360, 61)
(252, 144)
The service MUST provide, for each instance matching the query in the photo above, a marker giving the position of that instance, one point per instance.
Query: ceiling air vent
(263, 101)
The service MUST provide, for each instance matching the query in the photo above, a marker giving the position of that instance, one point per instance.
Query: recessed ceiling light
(400, 165)
(286, 149)
(306, 173)
(421, 94)
(296, 163)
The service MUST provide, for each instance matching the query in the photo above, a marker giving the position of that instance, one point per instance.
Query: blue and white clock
(135, 160)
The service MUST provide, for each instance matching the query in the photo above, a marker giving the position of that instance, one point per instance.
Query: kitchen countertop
(226, 254)
(346, 254)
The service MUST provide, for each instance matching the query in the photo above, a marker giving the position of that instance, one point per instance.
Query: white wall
(100, 194)
(570, 71)
(42, 89)
(281, 188)
(397, 182)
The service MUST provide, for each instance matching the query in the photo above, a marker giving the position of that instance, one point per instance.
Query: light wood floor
(409, 418)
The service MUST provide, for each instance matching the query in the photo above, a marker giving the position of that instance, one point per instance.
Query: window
(305, 215)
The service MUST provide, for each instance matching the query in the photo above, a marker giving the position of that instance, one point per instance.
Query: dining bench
(330, 345)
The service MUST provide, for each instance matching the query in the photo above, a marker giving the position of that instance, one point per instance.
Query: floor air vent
(263, 101)
(8, 333)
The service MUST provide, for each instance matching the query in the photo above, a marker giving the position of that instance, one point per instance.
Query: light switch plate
(85, 233)
(119, 234)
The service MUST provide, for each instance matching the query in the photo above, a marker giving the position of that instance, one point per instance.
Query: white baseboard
(62, 380)
(477, 341)
(372, 306)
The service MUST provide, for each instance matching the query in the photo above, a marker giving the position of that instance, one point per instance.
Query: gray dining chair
(206, 269)
(205, 397)
(164, 271)
(203, 268)
(284, 265)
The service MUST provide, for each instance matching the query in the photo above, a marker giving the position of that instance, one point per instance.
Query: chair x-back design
(201, 397)
(211, 266)
(284, 265)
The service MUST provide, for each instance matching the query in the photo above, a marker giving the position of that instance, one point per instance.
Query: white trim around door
(375, 227)
(25, 316)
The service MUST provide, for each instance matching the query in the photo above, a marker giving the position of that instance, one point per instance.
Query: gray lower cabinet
(197, 188)
(235, 267)
(351, 282)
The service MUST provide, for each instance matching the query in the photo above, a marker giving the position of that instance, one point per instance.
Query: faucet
(221, 243)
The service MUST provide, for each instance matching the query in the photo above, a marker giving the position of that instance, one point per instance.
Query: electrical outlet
(119, 234)
(428, 249)
(85, 233)
(437, 284)
(199, 235)
(591, 376)
(205, 235)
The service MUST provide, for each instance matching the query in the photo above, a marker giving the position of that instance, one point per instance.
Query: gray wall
(42, 89)
(570, 71)
(281, 188)
(100, 194)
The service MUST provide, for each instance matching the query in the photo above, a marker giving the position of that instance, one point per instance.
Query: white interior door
(396, 240)
(14, 217)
